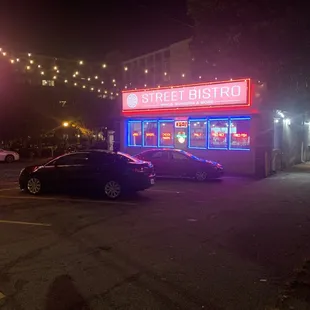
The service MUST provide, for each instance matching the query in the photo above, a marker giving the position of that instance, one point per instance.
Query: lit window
(240, 133)
(218, 134)
(198, 134)
(166, 133)
(150, 133)
(135, 133)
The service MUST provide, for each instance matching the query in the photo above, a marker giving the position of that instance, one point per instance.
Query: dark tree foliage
(264, 40)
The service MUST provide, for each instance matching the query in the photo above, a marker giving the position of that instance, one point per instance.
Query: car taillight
(138, 169)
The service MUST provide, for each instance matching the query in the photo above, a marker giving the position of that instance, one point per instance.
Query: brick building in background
(167, 66)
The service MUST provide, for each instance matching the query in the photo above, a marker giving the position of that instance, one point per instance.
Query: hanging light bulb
(54, 77)
(146, 71)
(17, 59)
(81, 62)
(126, 68)
(42, 72)
(165, 73)
(104, 66)
(99, 90)
(12, 61)
(92, 88)
(4, 53)
(102, 82)
(28, 67)
(31, 61)
(113, 81)
(55, 68)
(88, 79)
(96, 77)
(75, 84)
(77, 73)
(74, 75)
(39, 66)
(84, 86)
(29, 54)
(66, 81)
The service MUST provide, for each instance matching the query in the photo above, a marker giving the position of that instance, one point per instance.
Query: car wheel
(201, 176)
(9, 159)
(112, 189)
(34, 186)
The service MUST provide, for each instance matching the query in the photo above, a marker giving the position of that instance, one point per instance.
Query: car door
(179, 164)
(160, 161)
(74, 170)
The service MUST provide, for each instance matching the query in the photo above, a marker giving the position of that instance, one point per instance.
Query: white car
(8, 156)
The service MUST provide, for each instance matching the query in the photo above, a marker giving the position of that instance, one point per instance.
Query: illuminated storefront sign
(180, 124)
(225, 94)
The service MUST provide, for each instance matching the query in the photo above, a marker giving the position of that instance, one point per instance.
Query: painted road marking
(8, 189)
(68, 200)
(164, 191)
(25, 223)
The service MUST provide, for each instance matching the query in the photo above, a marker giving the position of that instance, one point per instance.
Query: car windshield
(127, 157)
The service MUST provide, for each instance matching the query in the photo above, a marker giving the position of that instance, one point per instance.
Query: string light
(146, 71)
(84, 86)
(92, 88)
(28, 67)
(42, 72)
(75, 84)
(55, 68)
(81, 62)
(99, 90)
(126, 68)
(29, 54)
(4, 53)
(102, 82)
(165, 73)
(31, 61)
(54, 77)
(66, 81)
(113, 81)
(17, 59)
(57, 71)
(12, 61)
(104, 66)
(76, 73)
(39, 66)
(183, 75)
(88, 79)
(96, 77)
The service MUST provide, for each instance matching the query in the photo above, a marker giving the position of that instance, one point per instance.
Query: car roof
(162, 149)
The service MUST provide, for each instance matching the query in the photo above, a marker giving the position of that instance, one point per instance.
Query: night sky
(89, 30)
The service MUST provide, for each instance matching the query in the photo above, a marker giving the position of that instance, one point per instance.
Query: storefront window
(150, 133)
(240, 133)
(166, 133)
(218, 134)
(198, 134)
(134, 133)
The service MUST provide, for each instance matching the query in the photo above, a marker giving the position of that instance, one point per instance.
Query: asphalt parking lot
(230, 244)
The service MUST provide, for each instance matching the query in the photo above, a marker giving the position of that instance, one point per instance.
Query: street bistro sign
(201, 96)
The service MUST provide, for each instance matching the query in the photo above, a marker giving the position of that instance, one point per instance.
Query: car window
(126, 157)
(178, 156)
(99, 158)
(158, 155)
(71, 159)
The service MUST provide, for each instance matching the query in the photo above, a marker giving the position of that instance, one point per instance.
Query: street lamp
(65, 124)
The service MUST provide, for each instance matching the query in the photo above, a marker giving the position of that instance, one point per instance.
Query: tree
(263, 40)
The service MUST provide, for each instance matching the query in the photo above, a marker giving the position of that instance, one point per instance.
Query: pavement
(232, 244)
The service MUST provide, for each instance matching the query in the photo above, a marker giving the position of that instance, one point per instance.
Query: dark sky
(89, 29)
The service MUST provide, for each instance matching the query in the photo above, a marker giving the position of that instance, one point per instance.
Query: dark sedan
(107, 172)
(179, 163)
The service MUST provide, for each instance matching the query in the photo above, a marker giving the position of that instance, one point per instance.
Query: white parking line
(164, 191)
(8, 189)
(24, 223)
(69, 200)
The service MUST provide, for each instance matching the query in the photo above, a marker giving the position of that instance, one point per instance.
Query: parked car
(179, 163)
(103, 171)
(8, 156)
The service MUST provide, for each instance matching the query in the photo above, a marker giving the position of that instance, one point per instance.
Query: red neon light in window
(240, 135)
(149, 134)
(135, 134)
(197, 134)
(166, 135)
(218, 134)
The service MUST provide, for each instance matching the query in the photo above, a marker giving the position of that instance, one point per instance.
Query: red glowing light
(218, 134)
(213, 95)
(166, 135)
(149, 134)
(197, 134)
(240, 135)
(135, 134)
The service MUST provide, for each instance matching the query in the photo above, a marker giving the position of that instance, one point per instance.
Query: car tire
(201, 176)
(9, 159)
(112, 189)
(34, 186)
